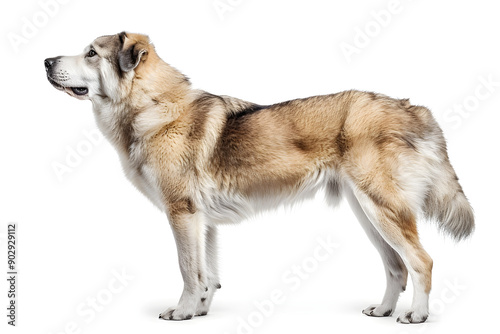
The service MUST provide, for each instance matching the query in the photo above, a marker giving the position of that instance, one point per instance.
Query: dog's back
(383, 146)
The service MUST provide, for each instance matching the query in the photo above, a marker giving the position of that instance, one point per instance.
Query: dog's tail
(446, 203)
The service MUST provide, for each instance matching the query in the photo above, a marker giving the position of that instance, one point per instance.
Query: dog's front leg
(188, 227)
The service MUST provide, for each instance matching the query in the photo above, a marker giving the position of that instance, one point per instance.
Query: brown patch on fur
(427, 268)
(182, 206)
(252, 156)
(372, 96)
(202, 105)
(408, 141)
(341, 142)
(381, 139)
(126, 125)
(301, 144)
(407, 224)
(373, 195)
(405, 103)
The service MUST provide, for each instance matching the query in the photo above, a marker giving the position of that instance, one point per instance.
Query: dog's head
(105, 68)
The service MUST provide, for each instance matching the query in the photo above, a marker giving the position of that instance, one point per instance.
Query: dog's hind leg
(395, 270)
(396, 223)
(212, 271)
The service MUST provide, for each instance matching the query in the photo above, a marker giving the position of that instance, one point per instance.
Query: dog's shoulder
(230, 106)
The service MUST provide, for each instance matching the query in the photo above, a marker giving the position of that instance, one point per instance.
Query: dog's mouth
(80, 91)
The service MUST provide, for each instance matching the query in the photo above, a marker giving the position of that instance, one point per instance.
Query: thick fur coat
(206, 160)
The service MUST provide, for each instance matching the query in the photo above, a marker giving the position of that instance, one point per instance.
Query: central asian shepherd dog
(207, 160)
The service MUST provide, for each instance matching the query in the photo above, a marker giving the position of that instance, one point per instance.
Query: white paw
(202, 310)
(206, 300)
(378, 310)
(176, 314)
(204, 303)
(412, 317)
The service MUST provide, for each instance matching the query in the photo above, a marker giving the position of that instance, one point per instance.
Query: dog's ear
(134, 48)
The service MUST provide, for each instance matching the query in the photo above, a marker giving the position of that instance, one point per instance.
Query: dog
(207, 160)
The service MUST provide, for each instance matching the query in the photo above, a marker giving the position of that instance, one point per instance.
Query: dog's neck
(156, 97)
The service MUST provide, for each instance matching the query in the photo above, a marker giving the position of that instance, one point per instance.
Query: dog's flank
(206, 159)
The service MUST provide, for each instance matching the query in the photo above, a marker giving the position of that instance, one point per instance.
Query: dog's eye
(91, 53)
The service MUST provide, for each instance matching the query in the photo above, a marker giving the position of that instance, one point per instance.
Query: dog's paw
(204, 304)
(175, 314)
(205, 301)
(378, 310)
(412, 317)
(202, 308)
(201, 312)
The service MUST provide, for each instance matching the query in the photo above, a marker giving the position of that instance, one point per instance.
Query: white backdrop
(94, 256)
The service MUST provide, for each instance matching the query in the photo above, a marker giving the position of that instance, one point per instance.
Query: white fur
(222, 206)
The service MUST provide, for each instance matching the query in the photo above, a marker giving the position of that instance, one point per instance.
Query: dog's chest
(142, 176)
(132, 155)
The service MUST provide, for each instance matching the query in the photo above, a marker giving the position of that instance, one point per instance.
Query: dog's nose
(49, 62)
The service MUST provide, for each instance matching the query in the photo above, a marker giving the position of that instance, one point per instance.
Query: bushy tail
(448, 205)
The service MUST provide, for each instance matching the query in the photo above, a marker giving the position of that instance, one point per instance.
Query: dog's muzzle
(49, 66)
